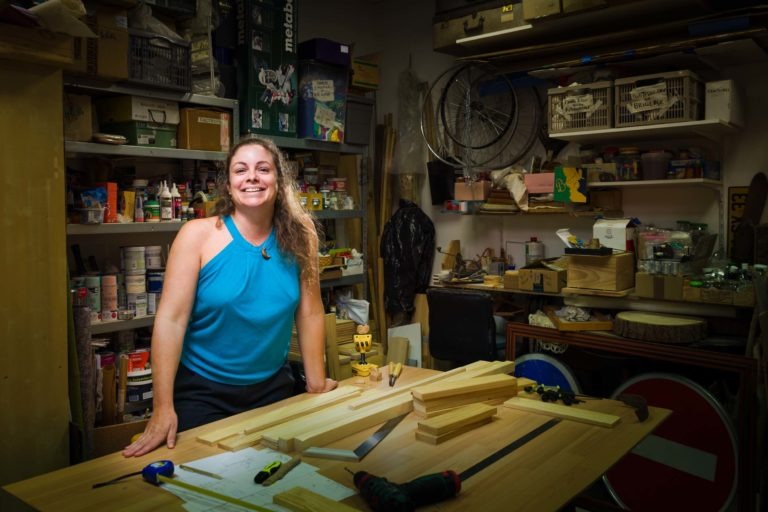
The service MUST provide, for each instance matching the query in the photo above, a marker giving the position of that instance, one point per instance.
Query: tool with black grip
(381, 494)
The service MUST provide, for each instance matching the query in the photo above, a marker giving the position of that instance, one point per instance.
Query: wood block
(470, 386)
(456, 418)
(240, 441)
(300, 499)
(568, 412)
(612, 273)
(437, 439)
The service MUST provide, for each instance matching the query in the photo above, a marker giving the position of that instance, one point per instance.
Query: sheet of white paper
(238, 469)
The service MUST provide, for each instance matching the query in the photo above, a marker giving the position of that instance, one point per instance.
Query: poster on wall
(737, 198)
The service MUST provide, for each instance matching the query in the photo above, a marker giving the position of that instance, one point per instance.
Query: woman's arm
(179, 286)
(310, 329)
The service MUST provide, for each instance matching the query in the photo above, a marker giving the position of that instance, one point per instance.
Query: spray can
(534, 250)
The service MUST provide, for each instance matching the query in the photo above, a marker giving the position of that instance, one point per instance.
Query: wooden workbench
(542, 475)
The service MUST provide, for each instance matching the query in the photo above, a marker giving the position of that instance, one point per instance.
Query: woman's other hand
(160, 429)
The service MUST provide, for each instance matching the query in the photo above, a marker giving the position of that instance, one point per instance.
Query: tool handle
(432, 488)
(284, 469)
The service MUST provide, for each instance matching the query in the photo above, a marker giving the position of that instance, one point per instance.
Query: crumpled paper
(62, 16)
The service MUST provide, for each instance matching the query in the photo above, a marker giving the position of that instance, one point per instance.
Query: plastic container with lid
(628, 166)
(655, 164)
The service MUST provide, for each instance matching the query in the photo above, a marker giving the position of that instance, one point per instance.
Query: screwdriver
(394, 372)
(383, 495)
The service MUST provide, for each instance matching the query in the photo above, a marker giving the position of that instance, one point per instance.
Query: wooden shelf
(338, 214)
(343, 281)
(704, 182)
(711, 129)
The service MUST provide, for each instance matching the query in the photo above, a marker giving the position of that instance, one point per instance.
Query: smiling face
(252, 177)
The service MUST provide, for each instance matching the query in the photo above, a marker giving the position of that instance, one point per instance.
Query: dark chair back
(461, 325)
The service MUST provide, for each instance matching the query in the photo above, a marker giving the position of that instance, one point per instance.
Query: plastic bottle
(166, 203)
(138, 212)
(176, 202)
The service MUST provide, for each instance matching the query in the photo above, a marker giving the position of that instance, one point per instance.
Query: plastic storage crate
(580, 107)
(672, 97)
(159, 61)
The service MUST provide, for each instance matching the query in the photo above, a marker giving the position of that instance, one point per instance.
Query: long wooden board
(300, 499)
(486, 383)
(568, 412)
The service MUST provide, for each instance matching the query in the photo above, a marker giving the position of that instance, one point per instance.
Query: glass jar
(628, 164)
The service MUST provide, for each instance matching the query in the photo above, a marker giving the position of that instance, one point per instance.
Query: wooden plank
(456, 418)
(470, 386)
(484, 368)
(437, 439)
(354, 422)
(240, 441)
(599, 293)
(331, 347)
(259, 420)
(443, 405)
(300, 499)
(568, 412)
(26, 44)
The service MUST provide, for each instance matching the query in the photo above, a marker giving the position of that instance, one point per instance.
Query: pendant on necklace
(264, 253)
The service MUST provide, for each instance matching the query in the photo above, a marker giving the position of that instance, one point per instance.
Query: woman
(234, 285)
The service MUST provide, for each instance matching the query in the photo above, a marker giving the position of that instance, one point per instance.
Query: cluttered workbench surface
(514, 459)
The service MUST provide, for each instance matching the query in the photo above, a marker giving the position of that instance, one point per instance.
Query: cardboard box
(537, 277)
(657, 286)
(365, 72)
(358, 123)
(475, 191)
(325, 51)
(125, 108)
(78, 117)
(322, 101)
(540, 183)
(267, 74)
(570, 185)
(722, 101)
(610, 273)
(107, 55)
(113, 438)
(533, 9)
(570, 6)
(204, 129)
(140, 133)
(617, 234)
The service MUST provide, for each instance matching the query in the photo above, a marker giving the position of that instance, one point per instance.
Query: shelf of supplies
(657, 183)
(122, 325)
(712, 129)
(316, 145)
(125, 150)
(343, 281)
(338, 214)
(182, 97)
(119, 229)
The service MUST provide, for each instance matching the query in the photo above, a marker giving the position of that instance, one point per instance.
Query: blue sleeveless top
(239, 330)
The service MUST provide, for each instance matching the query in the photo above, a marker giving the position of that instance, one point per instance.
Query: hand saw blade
(368, 445)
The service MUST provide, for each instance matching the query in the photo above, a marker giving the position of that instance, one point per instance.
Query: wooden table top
(544, 474)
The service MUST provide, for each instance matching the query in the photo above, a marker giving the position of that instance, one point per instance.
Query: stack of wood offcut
(440, 397)
(454, 422)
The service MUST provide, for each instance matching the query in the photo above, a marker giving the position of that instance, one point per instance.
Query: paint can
(534, 250)
(78, 291)
(108, 298)
(138, 303)
(155, 281)
(135, 281)
(138, 393)
(132, 258)
(93, 298)
(153, 257)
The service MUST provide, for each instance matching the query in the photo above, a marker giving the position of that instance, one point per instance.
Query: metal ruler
(503, 452)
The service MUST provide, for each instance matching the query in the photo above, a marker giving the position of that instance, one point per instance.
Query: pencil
(200, 471)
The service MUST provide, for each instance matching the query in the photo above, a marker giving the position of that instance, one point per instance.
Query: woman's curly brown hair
(295, 228)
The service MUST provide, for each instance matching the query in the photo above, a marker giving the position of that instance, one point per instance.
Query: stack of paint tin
(155, 276)
(132, 261)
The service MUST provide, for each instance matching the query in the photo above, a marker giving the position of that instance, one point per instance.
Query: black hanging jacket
(408, 250)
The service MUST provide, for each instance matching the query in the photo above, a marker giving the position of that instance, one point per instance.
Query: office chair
(462, 327)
